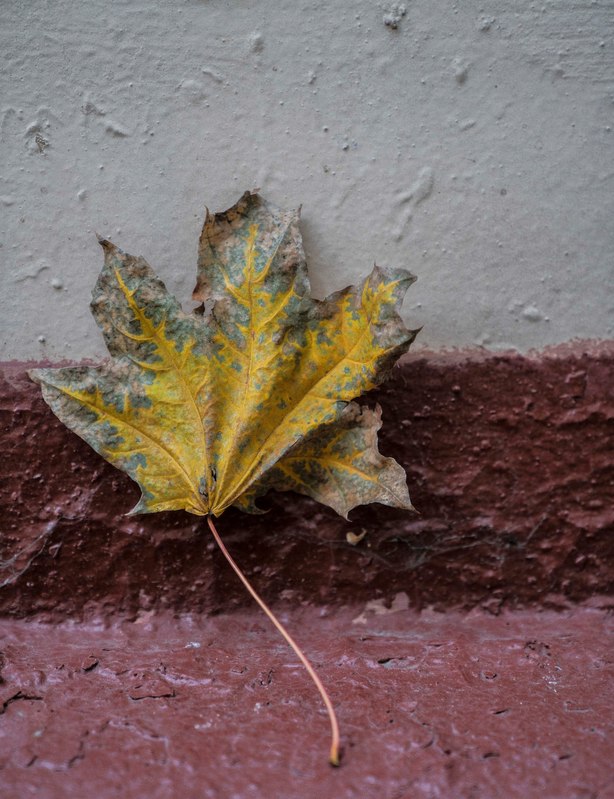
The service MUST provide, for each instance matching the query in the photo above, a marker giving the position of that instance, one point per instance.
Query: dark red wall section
(509, 461)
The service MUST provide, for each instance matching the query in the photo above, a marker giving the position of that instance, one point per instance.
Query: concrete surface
(113, 682)
(470, 142)
(431, 706)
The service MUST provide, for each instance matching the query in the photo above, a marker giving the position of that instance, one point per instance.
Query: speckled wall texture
(515, 491)
(470, 142)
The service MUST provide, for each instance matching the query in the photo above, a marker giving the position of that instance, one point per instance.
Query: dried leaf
(339, 465)
(210, 410)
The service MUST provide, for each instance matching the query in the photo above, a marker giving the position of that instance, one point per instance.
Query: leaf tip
(106, 245)
(142, 506)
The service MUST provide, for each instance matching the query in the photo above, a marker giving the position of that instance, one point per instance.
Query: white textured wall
(473, 144)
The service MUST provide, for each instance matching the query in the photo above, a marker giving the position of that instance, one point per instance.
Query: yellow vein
(162, 343)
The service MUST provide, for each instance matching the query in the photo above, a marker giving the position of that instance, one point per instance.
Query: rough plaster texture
(515, 491)
(436, 706)
(471, 142)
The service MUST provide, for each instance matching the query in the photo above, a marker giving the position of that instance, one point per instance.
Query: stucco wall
(472, 143)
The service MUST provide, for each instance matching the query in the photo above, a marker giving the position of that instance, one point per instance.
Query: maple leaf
(213, 409)
(255, 392)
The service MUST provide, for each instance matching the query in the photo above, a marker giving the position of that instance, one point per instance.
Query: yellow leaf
(339, 465)
(212, 409)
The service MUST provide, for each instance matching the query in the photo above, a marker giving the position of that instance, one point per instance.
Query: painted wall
(471, 142)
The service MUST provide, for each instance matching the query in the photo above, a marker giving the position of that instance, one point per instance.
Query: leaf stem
(334, 747)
